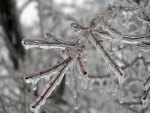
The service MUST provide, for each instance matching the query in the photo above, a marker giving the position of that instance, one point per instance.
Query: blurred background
(20, 19)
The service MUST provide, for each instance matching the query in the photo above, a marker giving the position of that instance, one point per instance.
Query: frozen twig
(143, 17)
(111, 8)
(147, 83)
(52, 84)
(135, 39)
(107, 57)
(50, 36)
(145, 98)
(78, 50)
(110, 27)
(81, 65)
(77, 27)
(44, 44)
(45, 72)
(144, 46)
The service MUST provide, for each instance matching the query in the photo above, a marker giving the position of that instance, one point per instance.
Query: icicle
(47, 78)
(76, 104)
(85, 83)
(84, 55)
(34, 84)
(144, 102)
(121, 89)
(114, 47)
(114, 92)
(67, 78)
(114, 88)
(144, 25)
(100, 86)
(91, 85)
(120, 43)
(140, 54)
(121, 99)
(74, 93)
(121, 81)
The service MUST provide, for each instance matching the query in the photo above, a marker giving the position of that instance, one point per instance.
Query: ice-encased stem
(118, 71)
(81, 66)
(144, 46)
(147, 83)
(135, 39)
(111, 28)
(145, 99)
(52, 84)
(45, 44)
(50, 36)
(45, 72)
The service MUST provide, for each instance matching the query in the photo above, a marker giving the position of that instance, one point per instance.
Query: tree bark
(12, 30)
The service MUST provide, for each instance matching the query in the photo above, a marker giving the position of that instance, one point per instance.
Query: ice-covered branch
(57, 40)
(147, 83)
(81, 65)
(77, 27)
(51, 86)
(144, 46)
(110, 27)
(44, 44)
(145, 97)
(143, 17)
(135, 39)
(113, 65)
(45, 72)
(114, 7)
